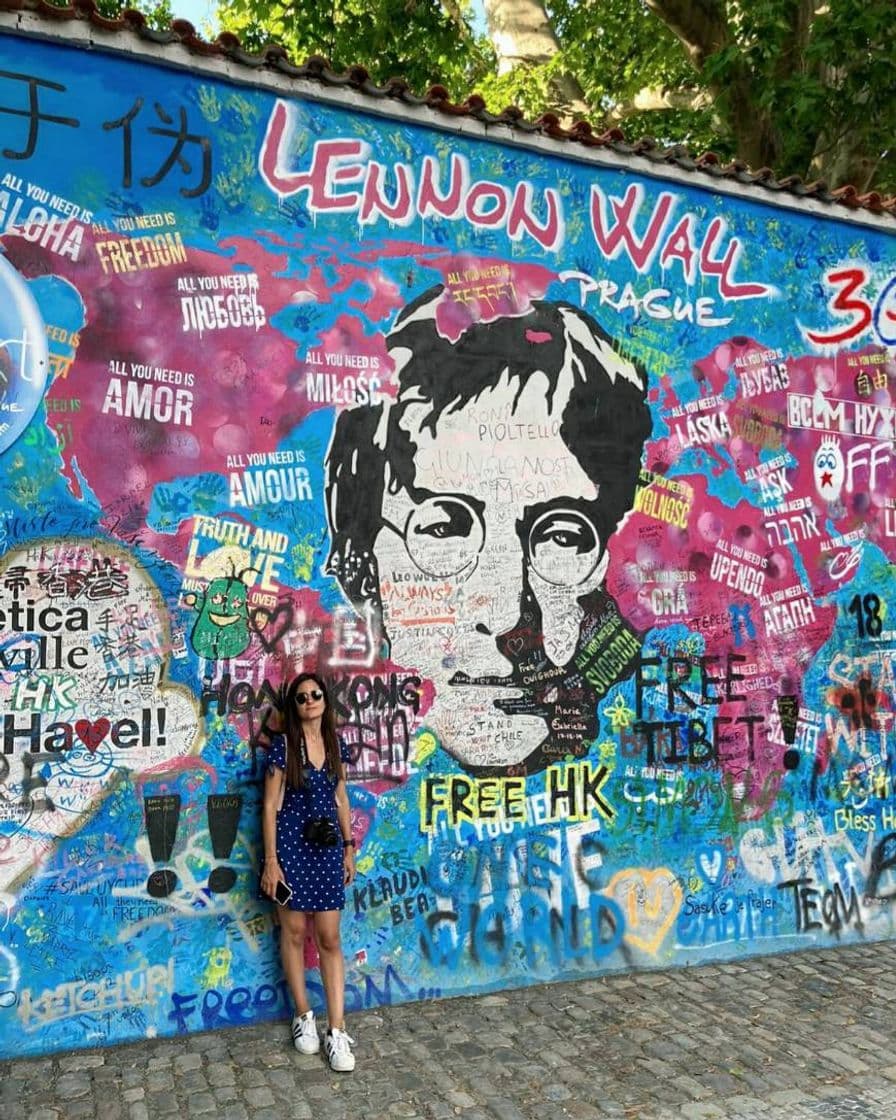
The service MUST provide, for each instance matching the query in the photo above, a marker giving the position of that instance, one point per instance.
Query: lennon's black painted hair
(605, 421)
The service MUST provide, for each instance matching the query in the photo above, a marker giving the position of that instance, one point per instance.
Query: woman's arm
(273, 874)
(344, 813)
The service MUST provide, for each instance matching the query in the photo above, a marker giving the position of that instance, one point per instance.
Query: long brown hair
(296, 752)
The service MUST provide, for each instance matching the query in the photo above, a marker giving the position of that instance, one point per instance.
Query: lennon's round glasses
(307, 697)
(445, 535)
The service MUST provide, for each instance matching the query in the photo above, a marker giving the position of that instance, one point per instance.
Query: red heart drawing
(92, 734)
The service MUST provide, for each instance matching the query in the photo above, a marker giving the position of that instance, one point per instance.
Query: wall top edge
(179, 46)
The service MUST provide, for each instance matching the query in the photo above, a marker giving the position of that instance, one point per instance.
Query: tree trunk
(756, 136)
(842, 160)
(702, 28)
(521, 34)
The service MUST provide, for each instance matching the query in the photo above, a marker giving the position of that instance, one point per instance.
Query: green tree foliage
(807, 87)
(159, 13)
(804, 86)
(421, 41)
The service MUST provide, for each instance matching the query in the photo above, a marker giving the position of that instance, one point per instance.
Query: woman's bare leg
(332, 965)
(292, 953)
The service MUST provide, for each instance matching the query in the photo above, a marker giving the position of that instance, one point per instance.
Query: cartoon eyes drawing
(829, 471)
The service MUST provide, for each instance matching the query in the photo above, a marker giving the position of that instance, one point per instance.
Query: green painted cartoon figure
(222, 628)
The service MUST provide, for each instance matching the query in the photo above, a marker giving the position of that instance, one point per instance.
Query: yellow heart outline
(644, 877)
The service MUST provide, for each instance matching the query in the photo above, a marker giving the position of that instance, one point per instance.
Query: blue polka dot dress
(315, 873)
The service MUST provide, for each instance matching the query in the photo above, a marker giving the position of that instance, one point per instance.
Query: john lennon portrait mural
(573, 479)
(495, 478)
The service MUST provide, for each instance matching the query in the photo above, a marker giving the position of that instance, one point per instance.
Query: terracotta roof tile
(848, 196)
(275, 57)
(873, 201)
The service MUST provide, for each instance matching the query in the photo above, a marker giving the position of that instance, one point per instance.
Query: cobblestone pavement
(803, 1036)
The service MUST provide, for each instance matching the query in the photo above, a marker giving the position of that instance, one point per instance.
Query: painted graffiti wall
(576, 483)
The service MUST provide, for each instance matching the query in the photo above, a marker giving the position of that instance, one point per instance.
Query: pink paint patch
(235, 370)
(231, 439)
(481, 290)
(538, 336)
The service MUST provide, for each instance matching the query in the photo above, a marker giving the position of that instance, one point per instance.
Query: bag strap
(283, 779)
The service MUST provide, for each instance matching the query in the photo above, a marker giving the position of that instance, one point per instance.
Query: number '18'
(867, 612)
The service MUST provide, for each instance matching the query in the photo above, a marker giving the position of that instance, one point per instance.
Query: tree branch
(702, 28)
(652, 100)
(700, 25)
(793, 48)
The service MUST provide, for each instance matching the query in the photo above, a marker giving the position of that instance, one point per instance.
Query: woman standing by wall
(309, 857)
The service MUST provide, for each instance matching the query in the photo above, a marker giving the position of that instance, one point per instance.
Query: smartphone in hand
(282, 893)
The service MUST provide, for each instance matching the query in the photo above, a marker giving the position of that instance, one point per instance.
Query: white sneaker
(337, 1048)
(304, 1033)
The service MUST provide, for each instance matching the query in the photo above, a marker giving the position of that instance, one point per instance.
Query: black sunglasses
(307, 697)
